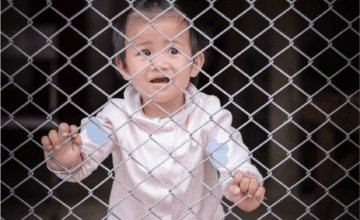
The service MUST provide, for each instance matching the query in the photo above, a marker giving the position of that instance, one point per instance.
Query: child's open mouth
(160, 80)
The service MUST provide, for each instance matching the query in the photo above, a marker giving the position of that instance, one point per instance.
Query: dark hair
(198, 41)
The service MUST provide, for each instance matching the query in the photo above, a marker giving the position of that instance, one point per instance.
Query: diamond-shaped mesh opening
(63, 8)
(30, 162)
(313, 47)
(251, 62)
(285, 24)
(246, 27)
(257, 136)
(287, 178)
(16, 209)
(331, 141)
(285, 61)
(349, 7)
(26, 78)
(98, 43)
(303, 188)
(278, 41)
(89, 51)
(348, 196)
(279, 89)
(340, 154)
(78, 79)
(323, 101)
(334, 209)
(336, 25)
(16, 24)
(311, 9)
(29, 41)
(287, 202)
(9, 65)
(231, 9)
(353, 84)
(311, 75)
(279, 98)
(311, 115)
(41, 21)
(94, 204)
(29, 9)
(333, 59)
(344, 120)
(353, 209)
(32, 197)
(12, 98)
(272, 12)
(99, 24)
(13, 180)
(327, 178)
(351, 42)
(229, 38)
(45, 93)
(102, 77)
(68, 35)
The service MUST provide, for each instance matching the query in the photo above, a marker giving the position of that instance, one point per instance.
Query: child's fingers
(260, 192)
(64, 129)
(244, 185)
(238, 177)
(76, 137)
(46, 143)
(78, 140)
(234, 191)
(253, 186)
(72, 129)
(77, 149)
(54, 139)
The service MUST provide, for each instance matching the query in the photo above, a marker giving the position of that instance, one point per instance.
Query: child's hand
(68, 154)
(246, 186)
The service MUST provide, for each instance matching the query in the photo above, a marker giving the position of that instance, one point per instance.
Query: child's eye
(173, 51)
(145, 53)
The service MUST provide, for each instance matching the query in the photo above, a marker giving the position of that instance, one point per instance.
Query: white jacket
(146, 175)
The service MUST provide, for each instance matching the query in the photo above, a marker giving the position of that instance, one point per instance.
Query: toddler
(172, 152)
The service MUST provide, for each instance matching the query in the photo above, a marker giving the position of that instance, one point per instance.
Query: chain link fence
(288, 71)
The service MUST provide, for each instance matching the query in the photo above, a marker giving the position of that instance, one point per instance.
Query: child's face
(170, 61)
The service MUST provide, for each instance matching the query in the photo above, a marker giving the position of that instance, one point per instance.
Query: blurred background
(299, 81)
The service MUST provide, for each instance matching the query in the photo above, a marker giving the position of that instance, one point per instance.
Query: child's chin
(161, 97)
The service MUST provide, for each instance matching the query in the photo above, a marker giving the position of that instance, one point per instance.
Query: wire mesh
(231, 63)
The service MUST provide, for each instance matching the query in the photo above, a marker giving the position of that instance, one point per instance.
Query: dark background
(297, 72)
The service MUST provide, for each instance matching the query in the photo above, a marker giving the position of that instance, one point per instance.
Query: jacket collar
(133, 104)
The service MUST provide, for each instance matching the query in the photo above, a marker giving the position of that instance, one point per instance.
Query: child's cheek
(181, 63)
(140, 63)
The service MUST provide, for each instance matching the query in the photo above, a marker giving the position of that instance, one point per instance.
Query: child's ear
(122, 67)
(199, 61)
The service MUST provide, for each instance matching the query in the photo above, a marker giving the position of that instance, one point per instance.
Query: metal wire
(211, 80)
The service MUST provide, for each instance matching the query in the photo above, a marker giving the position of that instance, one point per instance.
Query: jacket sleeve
(234, 156)
(93, 150)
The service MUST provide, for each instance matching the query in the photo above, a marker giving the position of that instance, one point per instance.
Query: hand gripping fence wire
(269, 207)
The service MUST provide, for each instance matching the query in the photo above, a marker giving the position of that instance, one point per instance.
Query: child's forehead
(135, 19)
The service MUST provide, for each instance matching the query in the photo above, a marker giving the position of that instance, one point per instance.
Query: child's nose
(160, 61)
